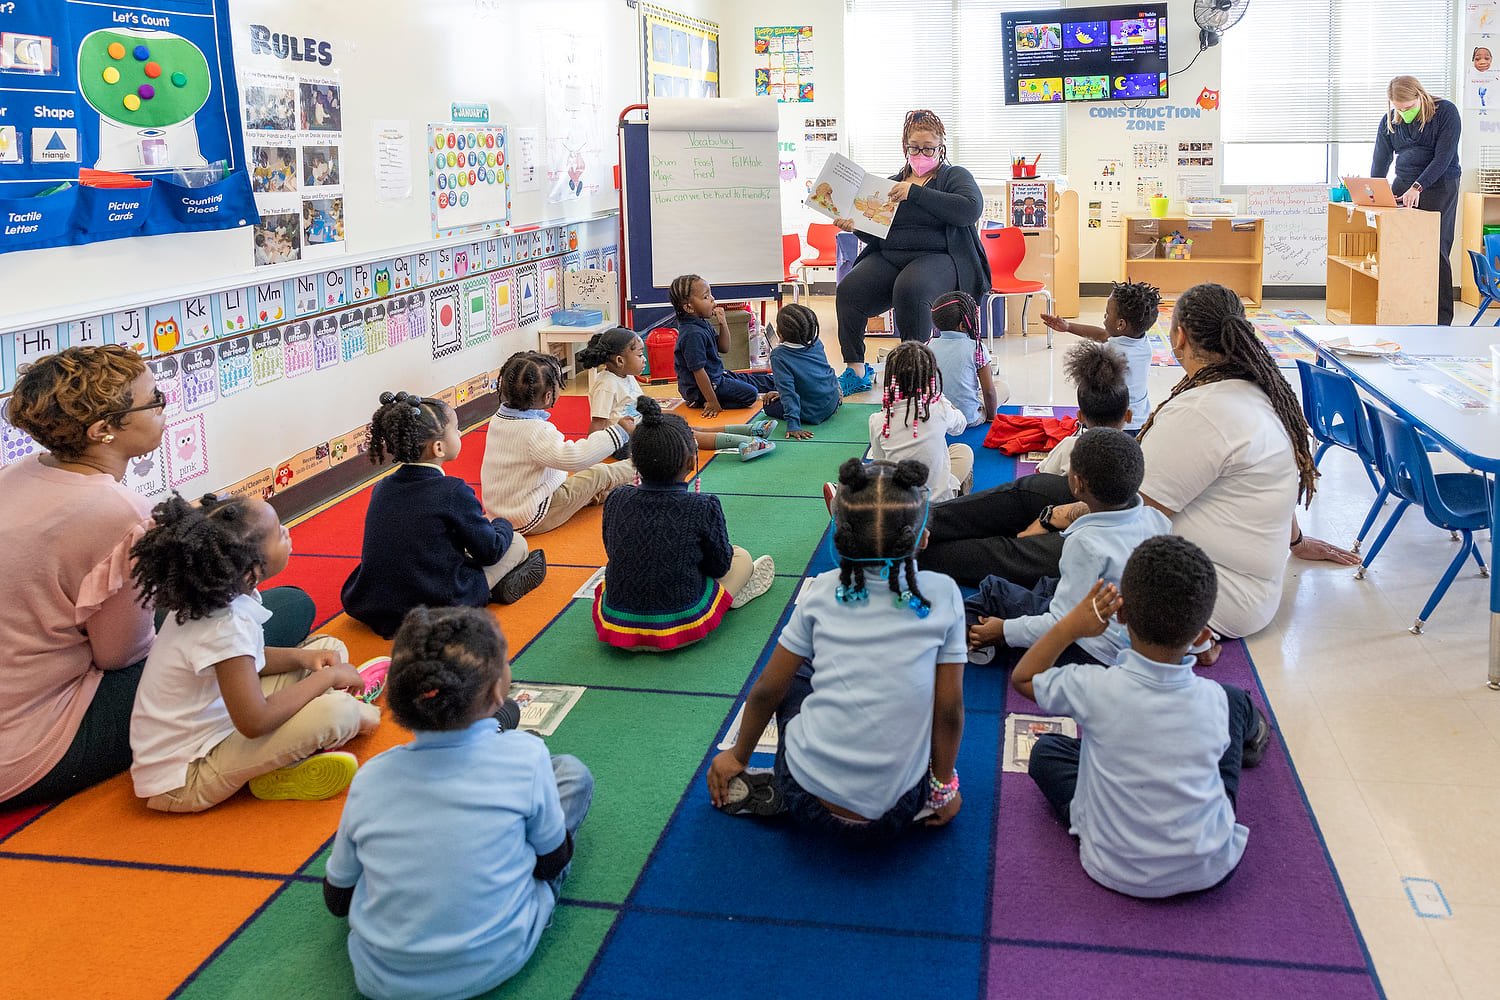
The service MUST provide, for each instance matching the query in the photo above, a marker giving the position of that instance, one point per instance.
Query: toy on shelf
(1177, 246)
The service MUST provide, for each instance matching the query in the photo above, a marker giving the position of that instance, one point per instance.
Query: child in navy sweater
(807, 391)
(702, 333)
(672, 572)
(427, 539)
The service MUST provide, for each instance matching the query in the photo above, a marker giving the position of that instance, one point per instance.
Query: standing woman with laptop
(1421, 133)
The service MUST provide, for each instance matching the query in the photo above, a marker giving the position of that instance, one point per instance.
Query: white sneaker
(760, 581)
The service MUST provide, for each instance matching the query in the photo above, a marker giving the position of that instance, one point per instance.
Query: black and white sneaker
(522, 580)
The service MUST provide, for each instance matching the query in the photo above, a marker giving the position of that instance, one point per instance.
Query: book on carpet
(544, 706)
(1022, 732)
(846, 190)
(768, 738)
(586, 591)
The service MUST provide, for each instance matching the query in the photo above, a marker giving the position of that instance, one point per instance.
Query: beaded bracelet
(939, 793)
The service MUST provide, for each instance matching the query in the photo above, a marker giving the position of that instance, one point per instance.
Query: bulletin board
(680, 54)
(374, 203)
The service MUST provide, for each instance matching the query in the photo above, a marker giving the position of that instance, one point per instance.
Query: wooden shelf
(1195, 260)
(1405, 249)
(1478, 210)
(1223, 253)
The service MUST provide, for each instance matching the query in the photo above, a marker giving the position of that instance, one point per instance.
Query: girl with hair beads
(1129, 314)
(672, 572)
(526, 459)
(867, 690)
(915, 419)
(702, 335)
(448, 892)
(965, 367)
(427, 540)
(216, 707)
(618, 357)
(807, 391)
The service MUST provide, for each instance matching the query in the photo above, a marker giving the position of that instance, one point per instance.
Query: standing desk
(1472, 435)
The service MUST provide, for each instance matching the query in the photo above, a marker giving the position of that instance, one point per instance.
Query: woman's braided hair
(443, 662)
(197, 559)
(878, 514)
(1214, 320)
(405, 425)
(926, 120)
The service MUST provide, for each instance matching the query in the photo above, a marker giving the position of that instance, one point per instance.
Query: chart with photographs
(1481, 76)
(468, 178)
(784, 62)
(681, 54)
(294, 129)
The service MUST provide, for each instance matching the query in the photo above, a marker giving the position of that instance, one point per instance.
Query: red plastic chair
(823, 237)
(791, 253)
(1006, 249)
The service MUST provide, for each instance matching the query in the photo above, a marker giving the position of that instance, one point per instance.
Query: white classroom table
(1472, 435)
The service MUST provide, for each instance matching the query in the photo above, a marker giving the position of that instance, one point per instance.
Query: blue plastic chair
(1457, 501)
(1487, 281)
(1336, 416)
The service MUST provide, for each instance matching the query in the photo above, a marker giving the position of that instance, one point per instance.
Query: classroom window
(1303, 84)
(944, 55)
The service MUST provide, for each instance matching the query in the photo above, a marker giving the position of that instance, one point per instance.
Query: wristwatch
(1416, 187)
(1045, 519)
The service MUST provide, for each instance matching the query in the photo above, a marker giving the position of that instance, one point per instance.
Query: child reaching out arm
(1128, 316)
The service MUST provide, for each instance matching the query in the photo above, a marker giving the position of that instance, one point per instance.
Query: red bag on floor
(1016, 435)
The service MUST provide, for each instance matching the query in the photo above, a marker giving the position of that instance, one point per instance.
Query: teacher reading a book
(932, 248)
(1421, 133)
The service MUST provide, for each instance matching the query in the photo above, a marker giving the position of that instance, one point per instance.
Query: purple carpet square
(1019, 970)
(1282, 904)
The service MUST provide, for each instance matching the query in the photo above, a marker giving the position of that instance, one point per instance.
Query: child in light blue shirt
(967, 380)
(1105, 473)
(1151, 787)
(1128, 316)
(452, 848)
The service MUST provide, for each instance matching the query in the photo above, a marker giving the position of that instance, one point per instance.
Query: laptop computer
(1370, 192)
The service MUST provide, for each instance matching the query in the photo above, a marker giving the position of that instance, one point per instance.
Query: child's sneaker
(760, 581)
(321, 776)
(830, 490)
(522, 580)
(1256, 741)
(373, 672)
(765, 428)
(753, 793)
(755, 448)
(982, 656)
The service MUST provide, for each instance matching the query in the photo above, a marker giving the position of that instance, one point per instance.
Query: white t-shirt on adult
(179, 712)
(1219, 457)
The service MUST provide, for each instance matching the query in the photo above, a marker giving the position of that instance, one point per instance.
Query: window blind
(1302, 71)
(946, 56)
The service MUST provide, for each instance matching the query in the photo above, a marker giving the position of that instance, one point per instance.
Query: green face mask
(1410, 114)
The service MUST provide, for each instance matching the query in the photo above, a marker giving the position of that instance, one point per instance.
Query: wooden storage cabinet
(1477, 211)
(1382, 265)
(1231, 253)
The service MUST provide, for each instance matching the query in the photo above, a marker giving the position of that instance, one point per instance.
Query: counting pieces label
(396, 326)
(269, 363)
(200, 378)
(297, 348)
(168, 375)
(418, 318)
(236, 366)
(325, 342)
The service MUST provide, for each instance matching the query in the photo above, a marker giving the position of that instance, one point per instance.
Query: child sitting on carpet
(216, 708)
(1103, 398)
(672, 572)
(527, 460)
(867, 691)
(427, 540)
(452, 848)
(1106, 473)
(618, 356)
(1129, 315)
(1150, 789)
(702, 335)
(967, 380)
(915, 419)
(807, 391)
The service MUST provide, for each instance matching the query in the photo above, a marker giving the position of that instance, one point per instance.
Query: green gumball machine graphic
(147, 86)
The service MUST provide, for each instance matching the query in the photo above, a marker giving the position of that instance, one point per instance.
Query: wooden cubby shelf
(1230, 253)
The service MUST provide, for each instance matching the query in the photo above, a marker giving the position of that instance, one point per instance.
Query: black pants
(909, 281)
(972, 537)
(101, 747)
(1054, 759)
(1443, 199)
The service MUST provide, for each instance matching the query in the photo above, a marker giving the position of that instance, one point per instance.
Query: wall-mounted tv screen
(1114, 53)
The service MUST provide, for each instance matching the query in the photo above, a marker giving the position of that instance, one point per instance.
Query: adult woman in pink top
(73, 634)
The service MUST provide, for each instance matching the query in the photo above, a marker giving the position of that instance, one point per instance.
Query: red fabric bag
(1016, 435)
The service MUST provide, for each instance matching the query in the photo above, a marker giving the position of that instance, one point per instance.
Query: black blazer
(953, 196)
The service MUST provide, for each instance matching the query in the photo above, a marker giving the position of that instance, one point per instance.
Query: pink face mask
(921, 164)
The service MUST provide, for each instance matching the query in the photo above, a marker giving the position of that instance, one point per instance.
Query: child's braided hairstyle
(527, 377)
(681, 290)
(958, 311)
(1214, 319)
(196, 560)
(877, 515)
(912, 377)
(442, 663)
(1137, 304)
(797, 324)
(661, 443)
(405, 425)
(604, 346)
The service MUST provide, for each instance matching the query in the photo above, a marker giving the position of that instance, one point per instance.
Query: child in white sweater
(527, 460)
(915, 420)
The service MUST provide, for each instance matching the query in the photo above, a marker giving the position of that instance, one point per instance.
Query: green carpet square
(643, 750)
(785, 528)
(296, 949)
(850, 423)
(798, 468)
(569, 651)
